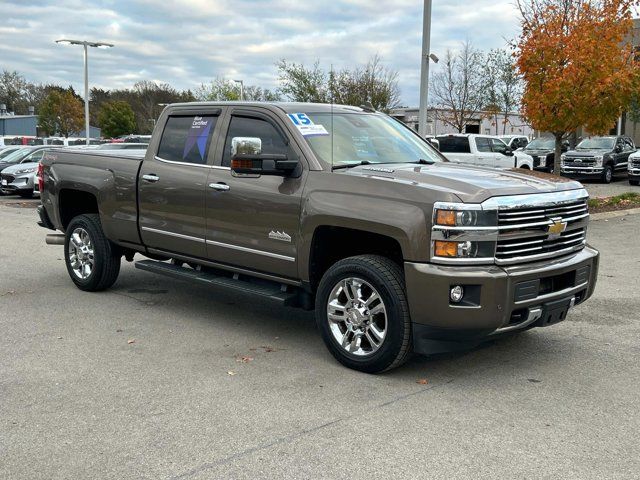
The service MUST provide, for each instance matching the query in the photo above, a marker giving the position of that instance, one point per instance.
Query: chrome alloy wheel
(81, 255)
(357, 317)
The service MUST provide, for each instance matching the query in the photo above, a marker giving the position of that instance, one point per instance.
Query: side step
(262, 288)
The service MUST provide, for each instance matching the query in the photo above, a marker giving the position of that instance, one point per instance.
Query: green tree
(221, 89)
(61, 113)
(116, 118)
(370, 84)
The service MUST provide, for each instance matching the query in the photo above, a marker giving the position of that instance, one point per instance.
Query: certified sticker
(306, 126)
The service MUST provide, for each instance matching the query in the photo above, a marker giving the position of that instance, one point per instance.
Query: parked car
(25, 140)
(515, 141)
(482, 150)
(18, 156)
(598, 157)
(433, 141)
(634, 168)
(331, 208)
(542, 150)
(18, 179)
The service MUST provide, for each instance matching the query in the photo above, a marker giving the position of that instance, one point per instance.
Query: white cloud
(187, 42)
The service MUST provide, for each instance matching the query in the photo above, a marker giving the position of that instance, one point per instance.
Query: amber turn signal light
(445, 249)
(237, 164)
(446, 217)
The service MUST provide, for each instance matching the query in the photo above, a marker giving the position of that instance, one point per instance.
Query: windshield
(542, 144)
(597, 143)
(366, 138)
(16, 156)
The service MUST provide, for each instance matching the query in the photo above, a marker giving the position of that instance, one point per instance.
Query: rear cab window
(186, 138)
(454, 144)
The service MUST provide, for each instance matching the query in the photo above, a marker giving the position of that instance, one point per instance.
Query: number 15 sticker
(305, 126)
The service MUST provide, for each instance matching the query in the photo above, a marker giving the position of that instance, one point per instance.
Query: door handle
(223, 187)
(150, 177)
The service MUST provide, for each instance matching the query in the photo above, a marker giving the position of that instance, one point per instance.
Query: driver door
(500, 149)
(254, 221)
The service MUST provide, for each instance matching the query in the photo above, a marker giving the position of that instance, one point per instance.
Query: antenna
(331, 86)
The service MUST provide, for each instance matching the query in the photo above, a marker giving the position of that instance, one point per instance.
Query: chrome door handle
(150, 177)
(223, 187)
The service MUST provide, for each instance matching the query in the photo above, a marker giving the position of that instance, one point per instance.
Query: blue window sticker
(306, 126)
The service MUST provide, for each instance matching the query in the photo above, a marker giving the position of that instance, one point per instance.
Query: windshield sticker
(306, 126)
(364, 147)
(198, 135)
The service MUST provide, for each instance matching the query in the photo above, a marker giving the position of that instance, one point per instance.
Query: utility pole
(424, 72)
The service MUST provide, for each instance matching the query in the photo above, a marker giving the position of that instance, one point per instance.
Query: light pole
(86, 46)
(424, 71)
(241, 82)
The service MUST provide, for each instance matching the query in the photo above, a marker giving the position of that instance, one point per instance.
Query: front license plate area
(554, 312)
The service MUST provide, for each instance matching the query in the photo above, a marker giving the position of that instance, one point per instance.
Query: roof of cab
(286, 107)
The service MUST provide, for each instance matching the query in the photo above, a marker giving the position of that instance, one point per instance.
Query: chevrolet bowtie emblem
(556, 228)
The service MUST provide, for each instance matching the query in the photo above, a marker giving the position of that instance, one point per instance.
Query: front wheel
(635, 183)
(362, 313)
(607, 175)
(93, 262)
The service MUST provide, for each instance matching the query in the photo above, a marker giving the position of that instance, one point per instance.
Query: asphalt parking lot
(161, 379)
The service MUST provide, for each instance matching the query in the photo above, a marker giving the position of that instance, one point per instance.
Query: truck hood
(539, 151)
(587, 153)
(470, 184)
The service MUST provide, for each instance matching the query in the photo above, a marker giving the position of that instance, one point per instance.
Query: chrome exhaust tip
(54, 239)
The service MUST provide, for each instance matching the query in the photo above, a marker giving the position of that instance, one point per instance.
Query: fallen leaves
(422, 381)
(230, 373)
(244, 359)
(131, 340)
(8, 292)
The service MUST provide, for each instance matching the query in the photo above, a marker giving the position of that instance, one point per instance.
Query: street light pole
(86, 46)
(241, 82)
(424, 71)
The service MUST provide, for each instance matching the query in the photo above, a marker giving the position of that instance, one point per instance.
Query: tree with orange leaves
(578, 69)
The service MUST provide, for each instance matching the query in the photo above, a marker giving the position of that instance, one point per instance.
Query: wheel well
(75, 202)
(331, 244)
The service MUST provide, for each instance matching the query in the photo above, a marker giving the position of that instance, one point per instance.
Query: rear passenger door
(484, 154)
(172, 183)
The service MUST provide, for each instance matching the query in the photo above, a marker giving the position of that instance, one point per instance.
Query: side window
(498, 146)
(628, 144)
(186, 138)
(272, 141)
(483, 144)
(34, 157)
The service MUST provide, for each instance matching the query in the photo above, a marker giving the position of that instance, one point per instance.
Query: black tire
(607, 174)
(106, 256)
(635, 183)
(387, 278)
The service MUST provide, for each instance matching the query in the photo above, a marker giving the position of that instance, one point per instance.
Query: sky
(188, 42)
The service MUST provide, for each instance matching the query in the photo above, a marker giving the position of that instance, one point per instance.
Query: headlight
(27, 170)
(454, 217)
(598, 160)
(563, 157)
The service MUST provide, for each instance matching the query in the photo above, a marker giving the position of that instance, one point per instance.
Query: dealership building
(27, 125)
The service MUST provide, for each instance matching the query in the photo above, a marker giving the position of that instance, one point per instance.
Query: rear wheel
(93, 262)
(362, 313)
(635, 183)
(607, 175)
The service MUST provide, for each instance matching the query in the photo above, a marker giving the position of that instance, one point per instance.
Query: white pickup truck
(482, 150)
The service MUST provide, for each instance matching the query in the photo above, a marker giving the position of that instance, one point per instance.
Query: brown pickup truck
(334, 208)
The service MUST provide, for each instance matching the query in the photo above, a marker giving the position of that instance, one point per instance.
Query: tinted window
(454, 144)
(272, 142)
(34, 157)
(483, 144)
(498, 145)
(187, 138)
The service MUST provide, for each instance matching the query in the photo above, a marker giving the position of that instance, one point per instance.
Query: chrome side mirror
(246, 146)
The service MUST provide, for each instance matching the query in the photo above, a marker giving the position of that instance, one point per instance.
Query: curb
(614, 214)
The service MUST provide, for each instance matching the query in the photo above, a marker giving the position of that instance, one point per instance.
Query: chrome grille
(524, 232)
(635, 162)
(579, 162)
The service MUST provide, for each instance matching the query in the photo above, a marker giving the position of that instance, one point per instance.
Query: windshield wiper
(350, 165)
(422, 161)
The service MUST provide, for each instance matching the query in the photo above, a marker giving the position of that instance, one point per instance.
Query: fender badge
(282, 236)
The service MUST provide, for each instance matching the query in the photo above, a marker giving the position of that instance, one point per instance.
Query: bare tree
(221, 89)
(503, 88)
(458, 87)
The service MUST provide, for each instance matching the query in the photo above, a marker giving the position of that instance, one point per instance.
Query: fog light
(456, 293)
